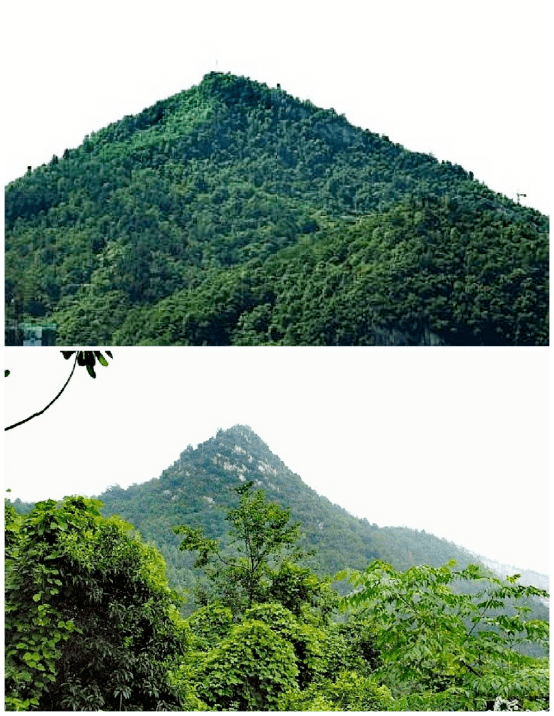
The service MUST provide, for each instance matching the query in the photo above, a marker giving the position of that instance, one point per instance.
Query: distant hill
(235, 214)
(527, 576)
(198, 488)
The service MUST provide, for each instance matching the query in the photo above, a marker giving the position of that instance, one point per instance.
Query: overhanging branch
(40, 412)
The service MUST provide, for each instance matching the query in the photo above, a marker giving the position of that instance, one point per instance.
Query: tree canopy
(91, 623)
(453, 649)
(261, 560)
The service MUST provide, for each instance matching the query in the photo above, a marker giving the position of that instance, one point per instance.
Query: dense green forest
(235, 214)
(92, 624)
(228, 584)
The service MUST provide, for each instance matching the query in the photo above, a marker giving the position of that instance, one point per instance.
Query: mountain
(527, 576)
(235, 214)
(198, 488)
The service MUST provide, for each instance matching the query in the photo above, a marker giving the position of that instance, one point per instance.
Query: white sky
(453, 441)
(468, 80)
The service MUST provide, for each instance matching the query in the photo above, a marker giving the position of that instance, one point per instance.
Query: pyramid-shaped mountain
(198, 489)
(235, 214)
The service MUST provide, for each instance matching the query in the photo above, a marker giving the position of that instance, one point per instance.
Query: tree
(258, 562)
(276, 660)
(87, 359)
(264, 634)
(248, 671)
(91, 623)
(346, 691)
(445, 649)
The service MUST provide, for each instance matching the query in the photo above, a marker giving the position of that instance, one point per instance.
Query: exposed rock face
(394, 337)
(338, 133)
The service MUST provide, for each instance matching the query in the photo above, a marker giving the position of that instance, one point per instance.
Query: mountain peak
(240, 442)
(201, 485)
(202, 219)
(246, 95)
(243, 434)
(235, 87)
(243, 431)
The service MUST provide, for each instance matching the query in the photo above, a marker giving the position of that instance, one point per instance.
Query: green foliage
(248, 671)
(209, 625)
(194, 541)
(301, 591)
(221, 669)
(310, 643)
(233, 213)
(256, 585)
(197, 490)
(91, 623)
(349, 691)
(462, 645)
(352, 646)
(260, 528)
(88, 359)
(262, 539)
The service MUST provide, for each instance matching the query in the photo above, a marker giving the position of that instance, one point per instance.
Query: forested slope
(199, 487)
(233, 213)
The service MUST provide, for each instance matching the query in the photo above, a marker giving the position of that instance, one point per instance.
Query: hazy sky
(468, 80)
(453, 441)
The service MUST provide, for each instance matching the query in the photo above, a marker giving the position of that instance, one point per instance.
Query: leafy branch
(83, 358)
